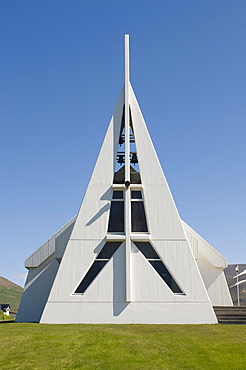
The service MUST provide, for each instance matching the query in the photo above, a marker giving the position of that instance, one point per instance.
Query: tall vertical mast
(127, 174)
(127, 139)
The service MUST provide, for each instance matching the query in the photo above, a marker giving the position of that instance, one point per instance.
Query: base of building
(128, 313)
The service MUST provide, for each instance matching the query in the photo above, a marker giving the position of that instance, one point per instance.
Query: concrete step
(230, 314)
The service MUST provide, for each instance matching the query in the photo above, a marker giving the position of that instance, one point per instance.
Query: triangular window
(102, 259)
(152, 257)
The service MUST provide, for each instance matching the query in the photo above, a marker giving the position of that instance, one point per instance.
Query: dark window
(108, 250)
(103, 257)
(118, 194)
(135, 177)
(148, 251)
(119, 176)
(166, 276)
(116, 217)
(90, 276)
(138, 217)
(136, 194)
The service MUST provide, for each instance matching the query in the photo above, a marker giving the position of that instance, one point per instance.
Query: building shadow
(98, 214)
(119, 281)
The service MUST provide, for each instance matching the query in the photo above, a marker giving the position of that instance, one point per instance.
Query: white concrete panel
(147, 285)
(88, 235)
(130, 313)
(36, 292)
(180, 262)
(215, 282)
(162, 216)
(203, 248)
(108, 286)
(219, 293)
(48, 248)
(41, 254)
(93, 215)
(193, 240)
(77, 259)
(62, 239)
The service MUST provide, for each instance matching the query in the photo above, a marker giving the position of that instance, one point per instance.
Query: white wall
(215, 282)
(36, 292)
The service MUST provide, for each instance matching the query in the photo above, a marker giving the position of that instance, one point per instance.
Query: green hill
(12, 295)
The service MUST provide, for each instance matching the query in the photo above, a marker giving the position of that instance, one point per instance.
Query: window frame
(137, 189)
(117, 189)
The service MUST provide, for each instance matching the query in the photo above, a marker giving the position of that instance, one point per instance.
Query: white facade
(127, 257)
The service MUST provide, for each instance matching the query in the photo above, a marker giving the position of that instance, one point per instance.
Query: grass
(5, 317)
(37, 346)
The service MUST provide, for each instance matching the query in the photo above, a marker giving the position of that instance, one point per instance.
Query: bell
(134, 159)
(121, 159)
(121, 141)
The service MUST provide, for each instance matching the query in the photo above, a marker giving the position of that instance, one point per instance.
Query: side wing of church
(127, 257)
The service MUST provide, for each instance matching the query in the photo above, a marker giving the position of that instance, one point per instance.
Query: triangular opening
(102, 259)
(156, 262)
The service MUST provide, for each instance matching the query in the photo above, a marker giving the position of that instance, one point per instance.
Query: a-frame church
(127, 257)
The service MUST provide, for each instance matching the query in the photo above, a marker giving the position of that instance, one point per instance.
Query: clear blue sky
(61, 71)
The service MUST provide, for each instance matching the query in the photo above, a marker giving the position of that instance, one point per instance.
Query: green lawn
(40, 346)
(5, 317)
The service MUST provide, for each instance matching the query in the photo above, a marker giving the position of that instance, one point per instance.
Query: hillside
(12, 295)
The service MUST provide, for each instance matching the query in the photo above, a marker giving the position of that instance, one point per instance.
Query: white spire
(127, 133)
(127, 67)
(127, 175)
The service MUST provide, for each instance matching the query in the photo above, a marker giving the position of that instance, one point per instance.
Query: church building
(126, 257)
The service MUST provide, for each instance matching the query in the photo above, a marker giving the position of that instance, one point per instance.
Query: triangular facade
(126, 257)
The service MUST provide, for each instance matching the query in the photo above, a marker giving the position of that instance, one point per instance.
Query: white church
(126, 257)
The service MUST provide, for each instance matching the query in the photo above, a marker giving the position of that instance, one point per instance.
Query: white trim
(127, 175)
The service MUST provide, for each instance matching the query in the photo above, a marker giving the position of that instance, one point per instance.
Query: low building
(5, 307)
(236, 279)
